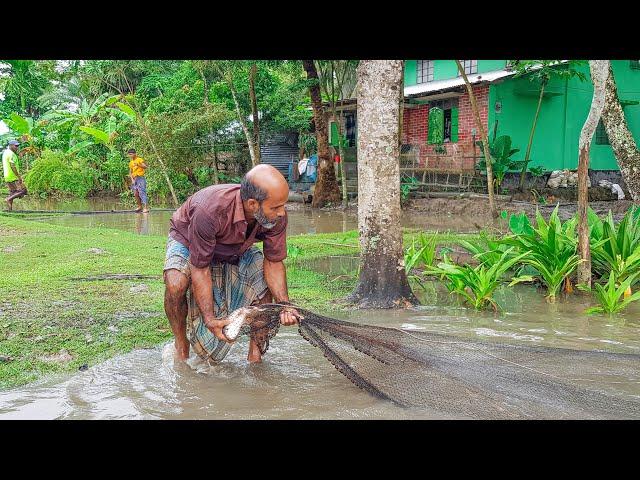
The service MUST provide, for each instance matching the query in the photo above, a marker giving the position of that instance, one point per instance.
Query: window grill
(425, 71)
(469, 66)
(601, 134)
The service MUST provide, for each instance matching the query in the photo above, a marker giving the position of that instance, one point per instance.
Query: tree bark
(599, 72)
(254, 113)
(326, 189)
(621, 140)
(483, 137)
(343, 173)
(383, 281)
(337, 119)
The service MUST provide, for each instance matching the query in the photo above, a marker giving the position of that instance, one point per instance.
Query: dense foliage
(76, 120)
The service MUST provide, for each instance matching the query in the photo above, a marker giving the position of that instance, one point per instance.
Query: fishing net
(464, 378)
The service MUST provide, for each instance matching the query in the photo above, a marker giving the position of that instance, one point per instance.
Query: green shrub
(477, 284)
(616, 247)
(57, 173)
(611, 297)
(552, 249)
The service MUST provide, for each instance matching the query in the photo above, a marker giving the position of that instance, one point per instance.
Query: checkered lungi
(234, 286)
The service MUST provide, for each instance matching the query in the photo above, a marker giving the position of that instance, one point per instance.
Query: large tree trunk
(339, 120)
(483, 137)
(383, 281)
(326, 189)
(599, 72)
(254, 113)
(343, 173)
(621, 140)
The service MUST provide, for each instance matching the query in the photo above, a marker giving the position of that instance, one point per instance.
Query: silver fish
(238, 318)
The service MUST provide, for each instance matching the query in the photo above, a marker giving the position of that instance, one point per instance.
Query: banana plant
(477, 284)
(30, 134)
(610, 294)
(104, 137)
(501, 153)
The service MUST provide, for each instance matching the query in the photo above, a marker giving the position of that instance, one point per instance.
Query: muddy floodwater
(296, 382)
(302, 219)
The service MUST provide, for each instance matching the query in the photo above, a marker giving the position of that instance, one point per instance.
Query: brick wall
(415, 130)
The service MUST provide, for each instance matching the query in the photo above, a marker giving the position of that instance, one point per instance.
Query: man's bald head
(264, 181)
(264, 192)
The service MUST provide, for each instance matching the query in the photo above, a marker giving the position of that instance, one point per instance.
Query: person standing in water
(211, 253)
(11, 175)
(137, 167)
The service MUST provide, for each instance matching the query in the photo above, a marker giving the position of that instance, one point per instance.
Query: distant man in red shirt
(210, 252)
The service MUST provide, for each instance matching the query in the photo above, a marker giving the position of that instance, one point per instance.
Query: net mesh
(465, 378)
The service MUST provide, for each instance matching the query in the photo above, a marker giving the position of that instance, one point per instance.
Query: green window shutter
(454, 125)
(435, 134)
(334, 138)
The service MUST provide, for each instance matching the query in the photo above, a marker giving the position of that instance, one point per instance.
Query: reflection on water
(301, 219)
(297, 382)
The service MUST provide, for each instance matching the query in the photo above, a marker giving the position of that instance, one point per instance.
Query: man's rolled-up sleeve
(275, 242)
(202, 239)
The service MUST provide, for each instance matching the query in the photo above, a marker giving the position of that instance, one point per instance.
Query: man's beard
(263, 221)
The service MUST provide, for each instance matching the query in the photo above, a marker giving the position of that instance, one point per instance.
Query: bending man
(210, 251)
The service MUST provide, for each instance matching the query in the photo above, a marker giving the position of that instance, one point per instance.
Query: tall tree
(620, 137)
(338, 81)
(483, 137)
(22, 82)
(254, 112)
(383, 281)
(599, 73)
(228, 70)
(126, 101)
(326, 190)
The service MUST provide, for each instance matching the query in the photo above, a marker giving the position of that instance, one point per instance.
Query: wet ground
(296, 382)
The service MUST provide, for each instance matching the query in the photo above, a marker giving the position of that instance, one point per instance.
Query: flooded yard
(297, 382)
(302, 219)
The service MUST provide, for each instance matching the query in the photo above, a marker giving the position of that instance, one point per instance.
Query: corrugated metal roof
(440, 85)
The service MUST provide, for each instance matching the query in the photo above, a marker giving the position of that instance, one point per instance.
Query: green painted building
(507, 104)
(512, 104)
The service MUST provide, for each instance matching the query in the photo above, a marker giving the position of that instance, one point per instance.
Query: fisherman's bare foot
(146, 210)
(182, 351)
(254, 353)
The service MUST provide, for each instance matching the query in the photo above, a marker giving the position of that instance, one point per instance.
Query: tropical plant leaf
(99, 135)
(127, 110)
